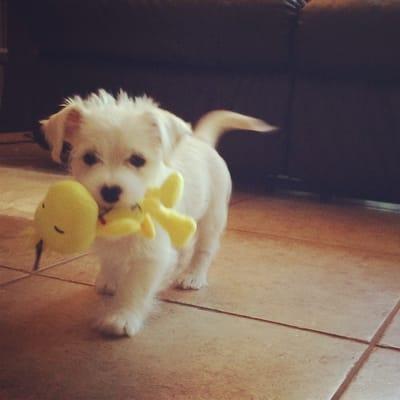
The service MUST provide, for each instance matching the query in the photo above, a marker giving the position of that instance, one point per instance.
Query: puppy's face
(119, 146)
(118, 158)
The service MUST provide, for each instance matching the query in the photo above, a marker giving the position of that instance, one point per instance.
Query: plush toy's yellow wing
(170, 191)
(158, 203)
(179, 227)
(148, 229)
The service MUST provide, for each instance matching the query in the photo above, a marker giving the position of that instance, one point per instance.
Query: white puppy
(121, 147)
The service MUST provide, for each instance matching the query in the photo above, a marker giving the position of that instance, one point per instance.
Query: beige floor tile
(321, 287)
(392, 335)
(83, 270)
(9, 275)
(22, 189)
(379, 378)
(352, 226)
(49, 351)
(17, 246)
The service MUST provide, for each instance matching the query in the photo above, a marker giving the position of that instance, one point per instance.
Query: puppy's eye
(90, 158)
(137, 161)
(42, 205)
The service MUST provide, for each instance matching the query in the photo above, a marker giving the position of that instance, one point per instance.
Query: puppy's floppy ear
(60, 127)
(169, 129)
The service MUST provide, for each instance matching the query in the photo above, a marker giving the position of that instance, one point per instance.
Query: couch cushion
(343, 37)
(192, 32)
(345, 137)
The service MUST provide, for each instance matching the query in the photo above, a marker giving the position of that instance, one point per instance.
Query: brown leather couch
(327, 72)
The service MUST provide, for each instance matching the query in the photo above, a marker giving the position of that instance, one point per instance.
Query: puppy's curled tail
(212, 125)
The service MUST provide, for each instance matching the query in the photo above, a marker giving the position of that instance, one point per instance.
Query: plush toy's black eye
(90, 158)
(137, 161)
(42, 205)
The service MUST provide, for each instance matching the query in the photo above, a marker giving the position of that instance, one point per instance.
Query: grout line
(366, 354)
(56, 264)
(318, 242)
(14, 268)
(371, 344)
(286, 325)
(62, 262)
(57, 278)
(218, 311)
(388, 347)
(313, 198)
(4, 284)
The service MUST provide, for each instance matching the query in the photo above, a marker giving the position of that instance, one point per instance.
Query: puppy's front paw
(119, 323)
(105, 286)
(192, 280)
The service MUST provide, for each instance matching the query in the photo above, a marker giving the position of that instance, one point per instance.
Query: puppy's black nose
(110, 193)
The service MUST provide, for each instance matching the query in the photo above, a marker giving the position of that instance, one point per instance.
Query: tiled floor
(303, 304)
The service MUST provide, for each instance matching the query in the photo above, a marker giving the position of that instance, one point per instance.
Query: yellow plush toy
(68, 220)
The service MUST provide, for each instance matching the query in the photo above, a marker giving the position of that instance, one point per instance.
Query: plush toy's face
(66, 219)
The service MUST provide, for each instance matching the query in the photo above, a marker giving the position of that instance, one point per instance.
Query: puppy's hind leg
(209, 234)
(185, 257)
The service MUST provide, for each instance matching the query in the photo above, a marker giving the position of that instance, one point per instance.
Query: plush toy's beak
(39, 250)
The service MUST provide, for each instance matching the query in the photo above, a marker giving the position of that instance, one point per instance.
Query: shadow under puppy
(120, 148)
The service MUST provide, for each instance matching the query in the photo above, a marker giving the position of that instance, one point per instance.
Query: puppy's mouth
(105, 207)
(104, 210)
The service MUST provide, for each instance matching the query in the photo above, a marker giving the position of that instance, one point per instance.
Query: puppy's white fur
(133, 269)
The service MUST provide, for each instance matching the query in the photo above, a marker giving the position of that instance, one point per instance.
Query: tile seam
(229, 313)
(5, 284)
(310, 241)
(352, 373)
(268, 321)
(56, 264)
(388, 347)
